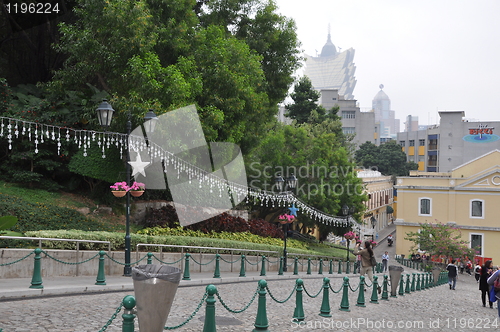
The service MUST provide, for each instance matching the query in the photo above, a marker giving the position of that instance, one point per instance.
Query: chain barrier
(312, 296)
(69, 263)
(159, 260)
(275, 262)
(354, 290)
(237, 311)
(335, 292)
(202, 263)
(5, 264)
(229, 262)
(288, 298)
(312, 263)
(131, 263)
(251, 262)
(191, 316)
(368, 286)
(105, 327)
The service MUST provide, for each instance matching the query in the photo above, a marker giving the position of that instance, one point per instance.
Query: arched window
(477, 208)
(425, 206)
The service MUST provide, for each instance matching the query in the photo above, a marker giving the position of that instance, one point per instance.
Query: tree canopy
(388, 158)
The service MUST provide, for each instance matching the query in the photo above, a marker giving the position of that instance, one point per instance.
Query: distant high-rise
(381, 105)
(332, 70)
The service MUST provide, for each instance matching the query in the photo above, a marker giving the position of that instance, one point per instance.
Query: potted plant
(286, 218)
(137, 189)
(119, 189)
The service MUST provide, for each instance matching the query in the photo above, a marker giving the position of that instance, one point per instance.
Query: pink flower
(120, 186)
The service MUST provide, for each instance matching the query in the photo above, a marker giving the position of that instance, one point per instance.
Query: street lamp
(347, 211)
(105, 114)
(282, 185)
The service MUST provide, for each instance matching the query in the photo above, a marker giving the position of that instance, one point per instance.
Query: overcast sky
(430, 55)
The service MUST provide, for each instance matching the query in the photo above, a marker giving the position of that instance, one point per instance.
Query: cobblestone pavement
(438, 309)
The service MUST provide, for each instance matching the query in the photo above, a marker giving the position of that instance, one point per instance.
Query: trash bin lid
(149, 271)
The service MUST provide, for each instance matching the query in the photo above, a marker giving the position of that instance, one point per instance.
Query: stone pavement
(438, 308)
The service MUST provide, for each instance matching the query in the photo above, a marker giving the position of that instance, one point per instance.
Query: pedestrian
(385, 261)
(357, 267)
(366, 254)
(486, 272)
(491, 282)
(452, 274)
(477, 272)
(462, 267)
(468, 268)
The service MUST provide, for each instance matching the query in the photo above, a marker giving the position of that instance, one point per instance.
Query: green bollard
(374, 298)
(298, 314)
(217, 266)
(263, 268)
(209, 325)
(128, 315)
(344, 304)
(36, 281)
(325, 303)
(101, 278)
(401, 286)
(308, 266)
(242, 267)
(418, 282)
(330, 270)
(348, 267)
(407, 287)
(412, 289)
(320, 268)
(385, 293)
(361, 295)
(280, 271)
(150, 258)
(186, 275)
(296, 266)
(427, 280)
(261, 322)
(340, 267)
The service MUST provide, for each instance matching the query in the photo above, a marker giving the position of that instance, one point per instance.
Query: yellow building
(468, 197)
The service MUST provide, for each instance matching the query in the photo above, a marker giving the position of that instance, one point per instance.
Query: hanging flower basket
(136, 193)
(120, 189)
(118, 193)
(286, 219)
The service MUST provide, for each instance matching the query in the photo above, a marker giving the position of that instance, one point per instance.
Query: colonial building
(466, 197)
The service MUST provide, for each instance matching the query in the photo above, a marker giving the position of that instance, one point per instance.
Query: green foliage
(305, 107)
(7, 222)
(388, 158)
(95, 166)
(441, 240)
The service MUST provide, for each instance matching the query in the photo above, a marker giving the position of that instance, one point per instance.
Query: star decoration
(138, 165)
(293, 210)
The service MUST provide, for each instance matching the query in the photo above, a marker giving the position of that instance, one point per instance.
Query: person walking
(366, 254)
(477, 272)
(486, 272)
(491, 282)
(452, 274)
(385, 261)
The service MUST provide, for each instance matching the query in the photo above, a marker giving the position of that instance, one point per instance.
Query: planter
(136, 193)
(118, 193)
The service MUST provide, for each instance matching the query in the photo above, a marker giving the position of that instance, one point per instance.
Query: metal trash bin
(395, 275)
(436, 271)
(154, 287)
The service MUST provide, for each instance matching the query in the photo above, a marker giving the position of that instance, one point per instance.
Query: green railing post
(308, 266)
(418, 282)
(340, 267)
(330, 270)
(320, 268)
(263, 268)
(412, 288)
(36, 280)
(374, 298)
(344, 304)
(361, 295)
(298, 314)
(128, 315)
(325, 303)
(401, 286)
(407, 286)
(280, 271)
(348, 267)
(296, 266)
(242, 266)
(261, 322)
(186, 275)
(101, 278)
(209, 325)
(217, 266)
(385, 294)
(150, 258)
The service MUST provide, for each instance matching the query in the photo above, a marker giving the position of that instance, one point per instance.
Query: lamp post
(347, 211)
(282, 185)
(105, 114)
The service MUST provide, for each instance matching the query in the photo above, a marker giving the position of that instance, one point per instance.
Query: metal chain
(354, 290)
(267, 259)
(159, 260)
(251, 262)
(305, 290)
(335, 292)
(237, 311)
(229, 261)
(370, 285)
(105, 327)
(70, 263)
(191, 316)
(202, 263)
(5, 264)
(276, 300)
(312, 263)
(132, 263)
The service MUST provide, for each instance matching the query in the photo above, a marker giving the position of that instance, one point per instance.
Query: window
(421, 142)
(349, 130)
(425, 207)
(348, 114)
(476, 241)
(402, 143)
(412, 142)
(476, 209)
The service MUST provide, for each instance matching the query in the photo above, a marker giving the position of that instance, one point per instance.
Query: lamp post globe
(105, 114)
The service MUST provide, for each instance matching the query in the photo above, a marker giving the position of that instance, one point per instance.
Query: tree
(388, 158)
(305, 107)
(441, 240)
